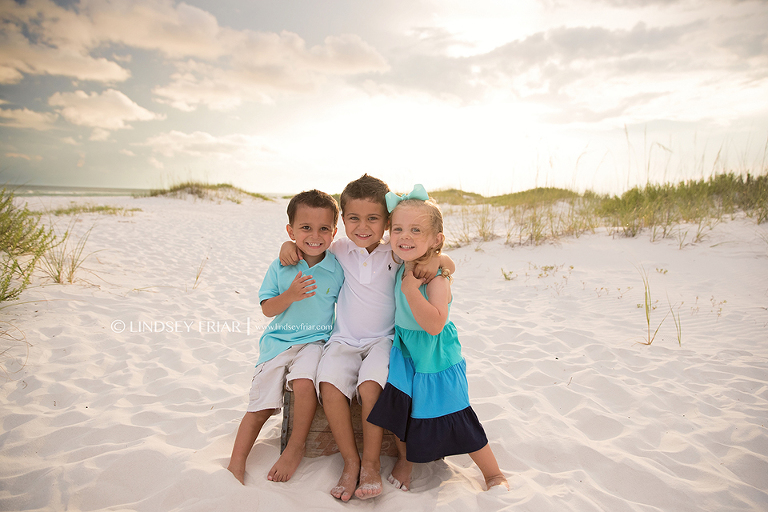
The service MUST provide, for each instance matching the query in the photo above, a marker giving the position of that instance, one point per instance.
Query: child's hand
(427, 270)
(301, 288)
(290, 254)
(410, 283)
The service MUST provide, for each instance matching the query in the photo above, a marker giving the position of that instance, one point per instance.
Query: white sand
(580, 416)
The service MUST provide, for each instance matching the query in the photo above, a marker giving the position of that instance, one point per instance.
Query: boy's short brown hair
(365, 187)
(314, 199)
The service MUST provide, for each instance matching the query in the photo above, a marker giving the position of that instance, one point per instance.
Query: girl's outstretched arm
(430, 314)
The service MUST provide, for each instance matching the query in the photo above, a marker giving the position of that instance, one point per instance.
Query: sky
(279, 96)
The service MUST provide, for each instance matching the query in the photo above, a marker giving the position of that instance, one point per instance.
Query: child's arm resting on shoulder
(428, 270)
(447, 263)
(430, 314)
(289, 254)
(301, 288)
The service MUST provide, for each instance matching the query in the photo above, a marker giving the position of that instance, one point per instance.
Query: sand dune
(137, 375)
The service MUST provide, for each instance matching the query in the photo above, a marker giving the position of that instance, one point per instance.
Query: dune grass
(23, 243)
(649, 306)
(204, 190)
(457, 197)
(528, 197)
(693, 201)
(91, 208)
(541, 214)
(65, 256)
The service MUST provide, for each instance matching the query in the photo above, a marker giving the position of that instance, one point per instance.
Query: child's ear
(440, 238)
(289, 229)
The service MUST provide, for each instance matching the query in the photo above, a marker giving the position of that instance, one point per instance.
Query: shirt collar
(328, 262)
(383, 246)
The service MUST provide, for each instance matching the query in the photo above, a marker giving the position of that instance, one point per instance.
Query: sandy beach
(135, 377)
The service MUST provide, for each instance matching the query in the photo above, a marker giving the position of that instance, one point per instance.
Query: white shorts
(274, 377)
(346, 367)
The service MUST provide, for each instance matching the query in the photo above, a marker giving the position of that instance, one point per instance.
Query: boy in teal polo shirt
(301, 299)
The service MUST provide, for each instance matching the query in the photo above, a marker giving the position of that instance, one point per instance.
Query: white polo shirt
(365, 310)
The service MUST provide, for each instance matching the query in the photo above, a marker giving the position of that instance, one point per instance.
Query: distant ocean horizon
(53, 190)
(50, 190)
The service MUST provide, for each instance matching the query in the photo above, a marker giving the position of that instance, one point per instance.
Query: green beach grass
(204, 190)
(541, 214)
(77, 209)
(24, 241)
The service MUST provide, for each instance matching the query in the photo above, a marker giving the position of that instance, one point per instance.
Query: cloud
(542, 61)
(588, 43)
(99, 134)
(25, 118)
(24, 157)
(265, 65)
(644, 3)
(110, 110)
(216, 66)
(345, 54)
(198, 83)
(591, 73)
(177, 30)
(31, 44)
(566, 110)
(637, 3)
(199, 144)
(154, 162)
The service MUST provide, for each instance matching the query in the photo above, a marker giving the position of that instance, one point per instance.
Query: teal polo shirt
(306, 320)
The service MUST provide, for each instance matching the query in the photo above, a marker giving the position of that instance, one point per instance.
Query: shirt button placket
(365, 272)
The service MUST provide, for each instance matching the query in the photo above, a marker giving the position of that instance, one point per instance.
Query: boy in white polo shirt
(301, 299)
(355, 360)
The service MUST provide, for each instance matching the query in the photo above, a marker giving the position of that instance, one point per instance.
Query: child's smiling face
(364, 222)
(312, 230)
(411, 234)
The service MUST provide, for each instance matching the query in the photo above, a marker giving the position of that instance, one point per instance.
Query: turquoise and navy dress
(426, 399)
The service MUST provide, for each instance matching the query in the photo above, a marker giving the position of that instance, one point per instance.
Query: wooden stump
(320, 439)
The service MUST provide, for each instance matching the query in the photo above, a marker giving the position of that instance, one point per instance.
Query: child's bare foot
(286, 465)
(401, 474)
(496, 480)
(348, 481)
(237, 470)
(370, 481)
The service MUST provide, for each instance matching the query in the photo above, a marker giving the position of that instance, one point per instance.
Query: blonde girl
(426, 401)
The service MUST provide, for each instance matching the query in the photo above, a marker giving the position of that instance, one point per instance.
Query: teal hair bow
(418, 192)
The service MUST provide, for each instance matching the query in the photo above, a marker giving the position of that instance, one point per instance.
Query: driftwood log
(320, 439)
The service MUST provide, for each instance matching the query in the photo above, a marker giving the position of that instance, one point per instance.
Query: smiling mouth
(407, 247)
(312, 244)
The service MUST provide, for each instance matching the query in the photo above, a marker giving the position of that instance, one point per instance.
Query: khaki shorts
(274, 377)
(346, 367)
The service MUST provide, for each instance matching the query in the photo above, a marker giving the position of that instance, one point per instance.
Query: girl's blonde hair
(434, 223)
